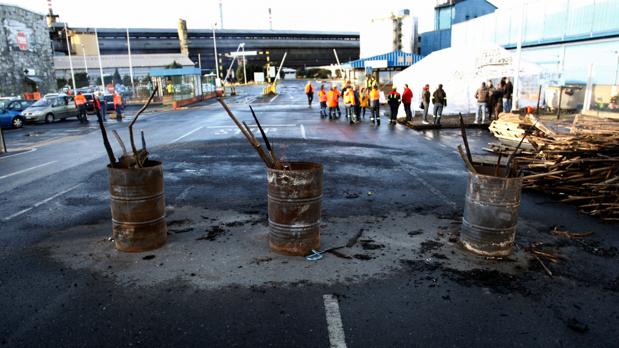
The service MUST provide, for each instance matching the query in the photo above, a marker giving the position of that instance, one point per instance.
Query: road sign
(272, 71)
(240, 54)
(375, 63)
(22, 40)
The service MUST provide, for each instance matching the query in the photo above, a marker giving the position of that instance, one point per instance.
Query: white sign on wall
(258, 77)
(375, 64)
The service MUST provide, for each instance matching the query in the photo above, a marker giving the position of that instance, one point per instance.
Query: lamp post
(66, 33)
(614, 89)
(85, 63)
(217, 80)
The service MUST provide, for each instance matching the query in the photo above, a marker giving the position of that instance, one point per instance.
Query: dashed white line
(303, 132)
(40, 203)
(186, 134)
(27, 170)
(270, 101)
(263, 126)
(19, 154)
(337, 339)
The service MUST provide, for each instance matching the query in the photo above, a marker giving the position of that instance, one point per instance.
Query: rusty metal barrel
(138, 207)
(490, 214)
(295, 196)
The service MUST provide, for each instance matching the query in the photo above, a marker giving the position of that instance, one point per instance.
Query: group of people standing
(356, 102)
(492, 101)
(99, 105)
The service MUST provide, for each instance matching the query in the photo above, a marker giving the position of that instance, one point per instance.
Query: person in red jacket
(407, 99)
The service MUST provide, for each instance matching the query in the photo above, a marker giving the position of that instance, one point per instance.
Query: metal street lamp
(217, 80)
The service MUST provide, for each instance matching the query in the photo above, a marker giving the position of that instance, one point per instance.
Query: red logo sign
(22, 40)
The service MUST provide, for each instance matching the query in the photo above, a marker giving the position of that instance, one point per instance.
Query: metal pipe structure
(66, 33)
(241, 45)
(280, 67)
(245, 70)
(100, 64)
(130, 62)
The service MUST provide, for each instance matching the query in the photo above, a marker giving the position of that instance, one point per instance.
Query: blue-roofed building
(446, 14)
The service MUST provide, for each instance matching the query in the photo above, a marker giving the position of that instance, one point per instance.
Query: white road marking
(303, 132)
(334, 322)
(270, 101)
(263, 126)
(40, 203)
(431, 188)
(186, 134)
(27, 170)
(19, 154)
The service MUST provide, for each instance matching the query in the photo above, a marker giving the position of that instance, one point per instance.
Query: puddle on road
(213, 249)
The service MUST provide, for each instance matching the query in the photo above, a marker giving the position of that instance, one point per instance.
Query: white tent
(461, 72)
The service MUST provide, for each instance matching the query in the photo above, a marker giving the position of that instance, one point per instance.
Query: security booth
(179, 87)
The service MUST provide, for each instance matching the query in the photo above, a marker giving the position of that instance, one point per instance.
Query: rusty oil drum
(490, 214)
(138, 207)
(295, 195)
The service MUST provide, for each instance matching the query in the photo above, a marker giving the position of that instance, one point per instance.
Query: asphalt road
(409, 284)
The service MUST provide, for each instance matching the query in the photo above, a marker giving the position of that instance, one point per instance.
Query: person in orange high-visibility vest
(349, 102)
(332, 97)
(118, 106)
(337, 106)
(309, 91)
(322, 97)
(375, 104)
(363, 100)
(80, 103)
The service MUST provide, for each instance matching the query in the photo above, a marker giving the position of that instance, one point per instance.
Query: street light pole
(244, 70)
(217, 80)
(66, 34)
(130, 63)
(85, 63)
(100, 64)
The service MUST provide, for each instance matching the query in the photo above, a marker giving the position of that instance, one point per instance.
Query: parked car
(10, 112)
(51, 107)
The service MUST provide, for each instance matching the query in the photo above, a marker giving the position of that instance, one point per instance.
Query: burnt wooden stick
(248, 134)
(120, 141)
(106, 141)
(546, 269)
(464, 139)
(498, 164)
(267, 160)
(143, 140)
(468, 164)
(276, 162)
(135, 118)
(511, 156)
(539, 96)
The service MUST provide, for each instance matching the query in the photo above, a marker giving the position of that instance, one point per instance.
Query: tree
(60, 83)
(81, 80)
(126, 80)
(116, 78)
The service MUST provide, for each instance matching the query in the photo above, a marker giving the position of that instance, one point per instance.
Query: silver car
(51, 107)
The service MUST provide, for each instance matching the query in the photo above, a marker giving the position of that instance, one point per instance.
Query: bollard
(294, 199)
(138, 207)
(490, 213)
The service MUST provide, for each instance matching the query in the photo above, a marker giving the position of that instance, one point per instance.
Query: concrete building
(446, 14)
(25, 52)
(395, 32)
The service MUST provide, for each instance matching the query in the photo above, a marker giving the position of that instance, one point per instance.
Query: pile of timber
(578, 163)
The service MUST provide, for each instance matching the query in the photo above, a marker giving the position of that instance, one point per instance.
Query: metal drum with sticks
(295, 196)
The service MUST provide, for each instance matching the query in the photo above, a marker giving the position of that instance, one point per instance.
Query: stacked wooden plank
(579, 164)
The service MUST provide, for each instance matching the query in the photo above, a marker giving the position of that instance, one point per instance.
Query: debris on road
(579, 166)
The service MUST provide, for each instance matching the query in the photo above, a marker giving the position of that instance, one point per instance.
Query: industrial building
(305, 48)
